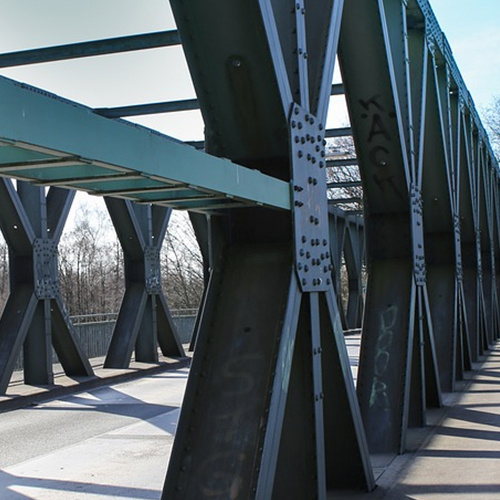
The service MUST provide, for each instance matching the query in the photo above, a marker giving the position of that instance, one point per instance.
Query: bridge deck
(51, 141)
(459, 458)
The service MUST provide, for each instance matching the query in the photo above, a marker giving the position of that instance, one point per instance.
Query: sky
(472, 28)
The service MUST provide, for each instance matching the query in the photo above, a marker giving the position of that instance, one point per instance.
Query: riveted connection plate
(45, 268)
(458, 248)
(152, 269)
(310, 207)
(417, 212)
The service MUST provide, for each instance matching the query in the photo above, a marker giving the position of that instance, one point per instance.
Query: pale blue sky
(473, 30)
(472, 27)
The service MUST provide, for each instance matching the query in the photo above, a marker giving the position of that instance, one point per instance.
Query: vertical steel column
(270, 408)
(337, 229)
(486, 219)
(443, 235)
(495, 244)
(203, 231)
(35, 317)
(354, 254)
(144, 319)
(468, 222)
(387, 114)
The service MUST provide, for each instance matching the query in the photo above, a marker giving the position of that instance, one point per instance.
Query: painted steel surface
(271, 410)
(133, 163)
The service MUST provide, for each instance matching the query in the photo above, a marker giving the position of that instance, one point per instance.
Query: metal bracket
(458, 246)
(152, 269)
(310, 207)
(417, 210)
(45, 268)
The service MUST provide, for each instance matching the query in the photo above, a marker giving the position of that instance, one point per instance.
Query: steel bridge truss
(270, 409)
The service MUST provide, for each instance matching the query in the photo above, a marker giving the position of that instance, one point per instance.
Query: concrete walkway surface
(456, 457)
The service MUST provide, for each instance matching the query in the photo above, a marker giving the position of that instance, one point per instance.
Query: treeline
(91, 269)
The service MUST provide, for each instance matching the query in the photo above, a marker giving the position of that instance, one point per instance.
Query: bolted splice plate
(45, 268)
(417, 212)
(310, 207)
(458, 246)
(152, 269)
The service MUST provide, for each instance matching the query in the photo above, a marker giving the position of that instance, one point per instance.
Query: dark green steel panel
(233, 75)
(296, 472)
(127, 227)
(372, 108)
(223, 420)
(14, 221)
(37, 347)
(126, 327)
(146, 347)
(347, 460)
(65, 342)
(14, 325)
(384, 365)
(167, 337)
(59, 203)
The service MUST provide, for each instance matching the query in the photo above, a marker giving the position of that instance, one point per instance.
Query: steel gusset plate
(310, 209)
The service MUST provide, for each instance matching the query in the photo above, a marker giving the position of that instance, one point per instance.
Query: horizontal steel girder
(48, 140)
(91, 48)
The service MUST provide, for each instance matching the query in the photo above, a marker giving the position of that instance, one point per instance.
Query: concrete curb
(82, 384)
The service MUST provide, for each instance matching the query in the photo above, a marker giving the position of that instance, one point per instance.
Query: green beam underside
(88, 49)
(149, 109)
(48, 140)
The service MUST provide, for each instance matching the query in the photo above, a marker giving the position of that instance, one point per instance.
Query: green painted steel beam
(338, 132)
(342, 162)
(49, 140)
(170, 106)
(90, 48)
(346, 184)
(149, 109)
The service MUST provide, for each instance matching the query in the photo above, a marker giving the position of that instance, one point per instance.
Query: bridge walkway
(457, 456)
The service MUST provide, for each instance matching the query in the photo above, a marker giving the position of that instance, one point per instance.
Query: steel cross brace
(347, 244)
(270, 409)
(446, 183)
(407, 122)
(144, 319)
(35, 317)
(387, 114)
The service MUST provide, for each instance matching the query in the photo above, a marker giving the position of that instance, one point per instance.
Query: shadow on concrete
(473, 490)
(107, 400)
(9, 481)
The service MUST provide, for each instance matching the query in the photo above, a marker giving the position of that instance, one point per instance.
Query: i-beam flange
(310, 207)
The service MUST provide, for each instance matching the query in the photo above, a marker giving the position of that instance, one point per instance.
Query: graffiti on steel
(379, 396)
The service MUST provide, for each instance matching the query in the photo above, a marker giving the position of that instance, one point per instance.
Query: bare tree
(182, 265)
(4, 272)
(343, 176)
(492, 123)
(91, 264)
